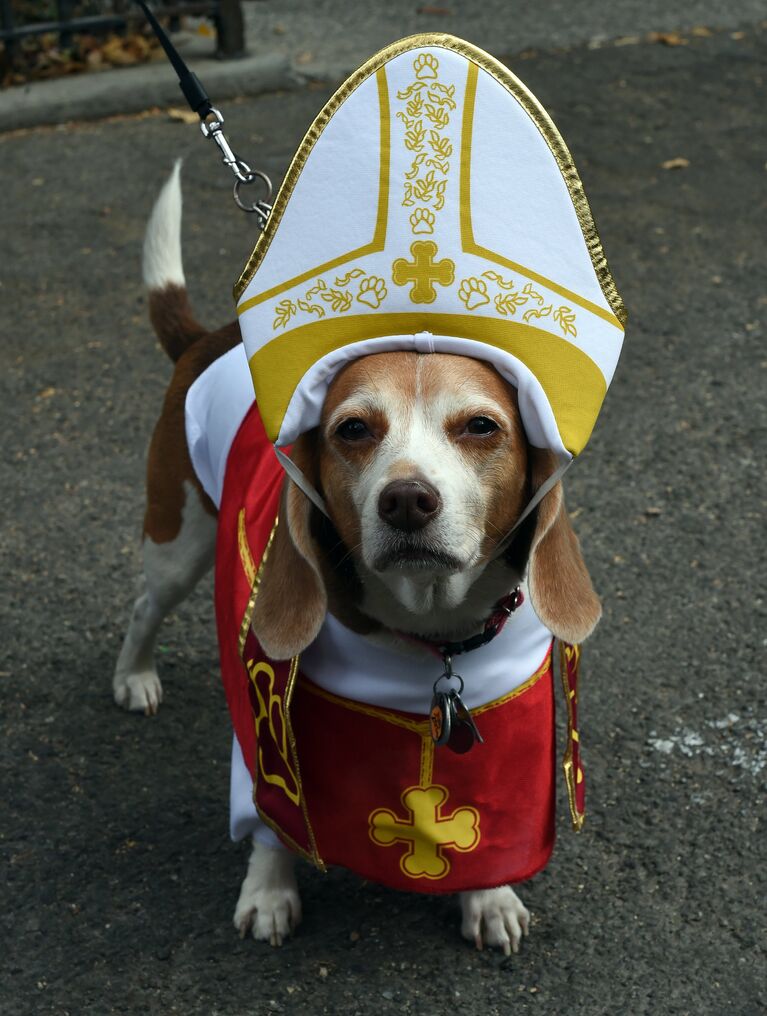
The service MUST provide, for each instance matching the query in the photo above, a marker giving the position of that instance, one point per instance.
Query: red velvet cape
(343, 782)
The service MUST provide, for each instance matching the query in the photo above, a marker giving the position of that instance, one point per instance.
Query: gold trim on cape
(247, 563)
(577, 817)
(421, 727)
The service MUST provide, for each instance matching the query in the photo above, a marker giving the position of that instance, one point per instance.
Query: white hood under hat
(433, 206)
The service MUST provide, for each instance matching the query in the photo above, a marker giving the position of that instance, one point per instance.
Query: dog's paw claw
(138, 693)
(495, 918)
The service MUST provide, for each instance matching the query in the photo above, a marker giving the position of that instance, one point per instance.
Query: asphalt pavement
(119, 879)
(322, 36)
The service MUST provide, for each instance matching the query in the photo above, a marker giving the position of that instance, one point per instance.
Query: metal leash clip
(211, 127)
(211, 122)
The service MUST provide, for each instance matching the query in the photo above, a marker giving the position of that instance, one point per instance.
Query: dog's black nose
(408, 504)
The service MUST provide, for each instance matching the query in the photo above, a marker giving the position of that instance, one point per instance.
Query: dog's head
(424, 466)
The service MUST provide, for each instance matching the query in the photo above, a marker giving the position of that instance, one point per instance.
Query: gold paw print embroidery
(425, 66)
(372, 291)
(422, 221)
(473, 293)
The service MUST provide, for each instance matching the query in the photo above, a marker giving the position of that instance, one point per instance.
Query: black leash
(211, 123)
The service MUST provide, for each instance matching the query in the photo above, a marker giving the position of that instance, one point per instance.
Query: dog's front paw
(494, 917)
(140, 693)
(271, 915)
(269, 905)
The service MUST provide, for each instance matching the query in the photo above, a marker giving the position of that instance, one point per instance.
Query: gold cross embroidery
(423, 271)
(426, 831)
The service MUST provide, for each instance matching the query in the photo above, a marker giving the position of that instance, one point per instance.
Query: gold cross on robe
(426, 831)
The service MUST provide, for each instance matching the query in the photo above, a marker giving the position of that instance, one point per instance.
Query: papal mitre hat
(433, 206)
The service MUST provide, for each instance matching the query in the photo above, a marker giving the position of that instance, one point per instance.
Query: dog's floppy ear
(560, 585)
(291, 603)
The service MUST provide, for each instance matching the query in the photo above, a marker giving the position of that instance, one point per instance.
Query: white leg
(269, 903)
(494, 917)
(244, 820)
(171, 570)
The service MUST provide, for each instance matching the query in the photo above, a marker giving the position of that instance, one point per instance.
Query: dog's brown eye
(481, 425)
(353, 430)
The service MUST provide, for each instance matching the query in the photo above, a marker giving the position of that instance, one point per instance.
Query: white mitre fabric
(433, 206)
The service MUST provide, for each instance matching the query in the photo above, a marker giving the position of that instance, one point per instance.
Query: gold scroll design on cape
(270, 721)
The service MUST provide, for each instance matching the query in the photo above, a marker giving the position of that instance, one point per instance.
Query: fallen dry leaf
(182, 115)
(41, 57)
(116, 52)
(678, 163)
(667, 38)
(701, 32)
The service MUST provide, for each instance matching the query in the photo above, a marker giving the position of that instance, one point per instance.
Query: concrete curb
(91, 96)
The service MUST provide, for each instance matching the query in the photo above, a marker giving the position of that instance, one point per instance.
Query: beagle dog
(424, 466)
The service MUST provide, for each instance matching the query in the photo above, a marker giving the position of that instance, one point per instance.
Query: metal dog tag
(463, 730)
(450, 721)
(440, 717)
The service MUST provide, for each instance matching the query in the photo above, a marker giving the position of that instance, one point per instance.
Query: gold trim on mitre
(287, 358)
(524, 97)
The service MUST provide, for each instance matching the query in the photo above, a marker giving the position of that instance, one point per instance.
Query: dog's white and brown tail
(169, 308)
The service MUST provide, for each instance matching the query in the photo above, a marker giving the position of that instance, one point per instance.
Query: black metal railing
(226, 14)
